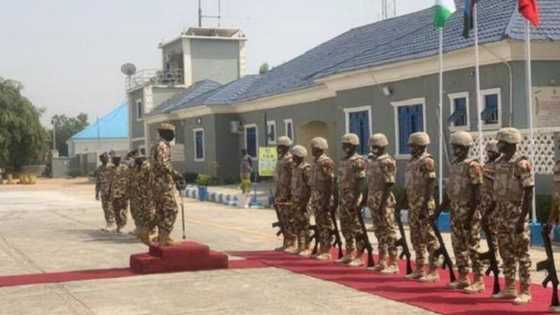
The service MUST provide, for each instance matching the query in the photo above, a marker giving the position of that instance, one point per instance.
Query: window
(251, 140)
(198, 135)
(409, 118)
(459, 118)
(139, 109)
(289, 128)
(358, 121)
(491, 108)
(271, 131)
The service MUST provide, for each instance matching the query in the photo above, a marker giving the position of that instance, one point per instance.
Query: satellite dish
(128, 69)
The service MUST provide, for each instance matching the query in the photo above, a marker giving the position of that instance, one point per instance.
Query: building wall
(98, 147)
(216, 60)
(136, 127)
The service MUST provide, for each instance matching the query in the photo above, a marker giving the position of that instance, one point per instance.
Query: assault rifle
(442, 251)
(365, 237)
(278, 224)
(490, 255)
(549, 266)
(335, 231)
(402, 243)
(314, 237)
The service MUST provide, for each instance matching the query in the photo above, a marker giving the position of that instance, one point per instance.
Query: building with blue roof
(381, 77)
(107, 133)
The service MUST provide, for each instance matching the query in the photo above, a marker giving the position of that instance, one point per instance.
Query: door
(251, 143)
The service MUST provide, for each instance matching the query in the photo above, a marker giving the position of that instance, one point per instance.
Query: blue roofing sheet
(111, 126)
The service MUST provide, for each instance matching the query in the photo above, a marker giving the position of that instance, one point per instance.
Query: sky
(68, 53)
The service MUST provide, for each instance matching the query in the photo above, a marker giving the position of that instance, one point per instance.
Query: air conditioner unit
(235, 126)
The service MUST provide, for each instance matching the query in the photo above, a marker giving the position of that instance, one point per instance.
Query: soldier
(141, 205)
(555, 211)
(420, 182)
(283, 178)
(381, 173)
(103, 175)
(352, 174)
(130, 162)
(164, 179)
(119, 192)
(322, 184)
(487, 190)
(462, 196)
(299, 216)
(245, 171)
(513, 191)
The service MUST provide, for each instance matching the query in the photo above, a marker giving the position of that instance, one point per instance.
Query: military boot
(460, 283)
(380, 263)
(393, 266)
(477, 286)
(324, 253)
(283, 247)
(347, 258)
(144, 236)
(109, 227)
(357, 261)
(431, 277)
(164, 239)
(291, 247)
(509, 292)
(524, 297)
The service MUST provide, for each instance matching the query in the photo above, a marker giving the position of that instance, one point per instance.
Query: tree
(66, 127)
(264, 68)
(22, 138)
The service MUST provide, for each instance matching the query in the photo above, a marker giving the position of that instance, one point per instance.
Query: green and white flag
(443, 10)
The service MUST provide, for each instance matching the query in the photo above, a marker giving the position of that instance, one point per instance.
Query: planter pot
(444, 222)
(202, 193)
(536, 236)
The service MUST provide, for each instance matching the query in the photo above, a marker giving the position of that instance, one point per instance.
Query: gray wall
(216, 60)
(136, 128)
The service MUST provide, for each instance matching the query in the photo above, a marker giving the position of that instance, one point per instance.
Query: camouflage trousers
(465, 239)
(489, 220)
(107, 209)
(135, 211)
(119, 209)
(142, 214)
(513, 247)
(384, 225)
(299, 222)
(422, 235)
(285, 210)
(349, 224)
(165, 210)
(319, 204)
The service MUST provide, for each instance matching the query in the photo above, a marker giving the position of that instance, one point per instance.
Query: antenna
(202, 16)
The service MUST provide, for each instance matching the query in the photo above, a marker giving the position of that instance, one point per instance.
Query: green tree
(264, 68)
(66, 127)
(22, 138)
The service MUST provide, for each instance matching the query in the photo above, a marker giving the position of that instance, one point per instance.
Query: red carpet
(433, 297)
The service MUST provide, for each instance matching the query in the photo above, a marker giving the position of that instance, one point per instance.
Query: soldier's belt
(285, 203)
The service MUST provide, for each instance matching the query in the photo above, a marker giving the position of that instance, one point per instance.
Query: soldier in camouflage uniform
(322, 188)
(554, 217)
(381, 173)
(129, 162)
(462, 196)
(119, 192)
(487, 206)
(164, 179)
(352, 174)
(141, 202)
(298, 218)
(420, 183)
(103, 176)
(513, 190)
(282, 196)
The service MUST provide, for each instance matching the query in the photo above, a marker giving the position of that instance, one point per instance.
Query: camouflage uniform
(350, 171)
(141, 205)
(556, 192)
(512, 177)
(418, 172)
(465, 239)
(283, 179)
(163, 185)
(300, 191)
(103, 176)
(382, 171)
(321, 182)
(487, 199)
(119, 194)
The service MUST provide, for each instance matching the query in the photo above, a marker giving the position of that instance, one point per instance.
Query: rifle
(278, 224)
(182, 214)
(365, 237)
(335, 231)
(490, 255)
(402, 243)
(314, 237)
(549, 266)
(442, 251)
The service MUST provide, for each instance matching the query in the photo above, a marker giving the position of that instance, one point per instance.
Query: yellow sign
(267, 161)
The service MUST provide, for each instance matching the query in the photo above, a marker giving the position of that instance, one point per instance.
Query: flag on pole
(530, 10)
(468, 14)
(444, 9)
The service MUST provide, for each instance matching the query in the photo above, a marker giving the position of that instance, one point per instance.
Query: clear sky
(68, 53)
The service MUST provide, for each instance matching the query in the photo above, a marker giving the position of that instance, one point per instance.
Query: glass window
(139, 110)
(199, 145)
(359, 125)
(271, 132)
(460, 113)
(289, 126)
(490, 113)
(251, 141)
(410, 120)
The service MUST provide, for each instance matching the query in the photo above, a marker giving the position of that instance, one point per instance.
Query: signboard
(267, 161)
(547, 106)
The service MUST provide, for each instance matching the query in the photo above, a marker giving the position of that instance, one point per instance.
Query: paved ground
(54, 226)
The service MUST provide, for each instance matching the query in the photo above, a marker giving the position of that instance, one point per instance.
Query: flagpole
(440, 177)
(529, 83)
(477, 75)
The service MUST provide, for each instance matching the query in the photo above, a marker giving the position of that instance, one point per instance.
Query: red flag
(530, 10)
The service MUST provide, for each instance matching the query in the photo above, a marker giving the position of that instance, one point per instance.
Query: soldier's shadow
(97, 235)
